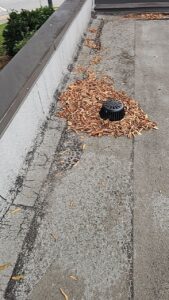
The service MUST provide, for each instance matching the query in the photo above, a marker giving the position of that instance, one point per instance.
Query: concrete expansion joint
(131, 256)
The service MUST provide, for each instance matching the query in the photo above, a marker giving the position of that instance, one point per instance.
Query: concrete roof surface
(105, 220)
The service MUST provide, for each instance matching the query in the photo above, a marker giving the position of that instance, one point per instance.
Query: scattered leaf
(76, 163)
(69, 123)
(18, 277)
(4, 266)
(72, 204)
(82, 138)
(73, 277)
(64, 294)
(93, 30)
(102, 183)
(95, 60)
(54, 236)
(16, 210)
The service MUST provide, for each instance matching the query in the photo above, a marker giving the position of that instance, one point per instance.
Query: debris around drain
(82, 101)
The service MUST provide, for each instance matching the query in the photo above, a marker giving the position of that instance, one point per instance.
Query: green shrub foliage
(21, 26)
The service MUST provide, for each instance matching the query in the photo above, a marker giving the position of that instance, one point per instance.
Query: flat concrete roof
(101, 214)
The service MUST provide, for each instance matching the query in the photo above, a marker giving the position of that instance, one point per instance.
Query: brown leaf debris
(82, 101)
(95, 60)
(92, 44)
(64, 294)
(73, 277)
(54, 236)
(18, 277)
(4, 266)
(148, 16)
(16, 210)
(93, 30)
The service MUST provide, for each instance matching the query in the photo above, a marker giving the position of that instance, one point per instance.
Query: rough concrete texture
(102, 211)
(24, 205)
(151, 226)
(13, 229)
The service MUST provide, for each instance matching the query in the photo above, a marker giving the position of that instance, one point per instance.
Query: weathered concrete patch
(69, 143)
(39, 168)
(89, 211)
(15, 225)
(36, 165)
(12, 233)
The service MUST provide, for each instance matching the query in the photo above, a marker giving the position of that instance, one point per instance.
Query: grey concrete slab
(151, 164)
(90, 210)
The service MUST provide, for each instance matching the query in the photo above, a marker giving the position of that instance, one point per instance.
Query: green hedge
(21, 26)
(2, 50)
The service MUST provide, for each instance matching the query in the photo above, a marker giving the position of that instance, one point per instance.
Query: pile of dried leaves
(81, 103)
(148, 16)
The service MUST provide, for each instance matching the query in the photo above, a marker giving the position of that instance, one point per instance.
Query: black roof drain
(112, 110)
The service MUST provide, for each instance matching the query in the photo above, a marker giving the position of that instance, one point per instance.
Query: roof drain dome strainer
(112, 110)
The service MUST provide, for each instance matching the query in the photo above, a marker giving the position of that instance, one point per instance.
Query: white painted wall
(19, 136)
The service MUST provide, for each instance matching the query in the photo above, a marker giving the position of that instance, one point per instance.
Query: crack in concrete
(3, 198)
